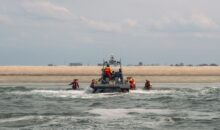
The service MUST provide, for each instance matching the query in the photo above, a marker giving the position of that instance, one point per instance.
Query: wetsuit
(75, 85)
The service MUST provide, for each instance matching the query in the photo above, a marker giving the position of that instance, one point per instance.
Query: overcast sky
(39, 32)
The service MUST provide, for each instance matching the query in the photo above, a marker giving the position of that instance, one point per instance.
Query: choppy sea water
(167, 107)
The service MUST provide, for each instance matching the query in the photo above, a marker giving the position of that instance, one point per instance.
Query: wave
(184, 91)
(16, 88)
(141, 91)
(142, 117)
(23, 121)
(87, 93)
(84, 94)
(125, 113)
(153, 118)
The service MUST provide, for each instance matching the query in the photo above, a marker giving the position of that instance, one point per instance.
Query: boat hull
(107, 88)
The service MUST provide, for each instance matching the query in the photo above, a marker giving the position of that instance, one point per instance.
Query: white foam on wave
(16, 119)
(141, 91)
(198, 115)
(208, 90)
(64, 94)
(110, 114)
(35, 120)
(57, 93)
(157, 123)
(85, 94)
(140, 117)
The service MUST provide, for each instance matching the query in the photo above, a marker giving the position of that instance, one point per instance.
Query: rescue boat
(113, 82)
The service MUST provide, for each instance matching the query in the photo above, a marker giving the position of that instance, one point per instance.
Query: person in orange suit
(132, 84)
(108, 71)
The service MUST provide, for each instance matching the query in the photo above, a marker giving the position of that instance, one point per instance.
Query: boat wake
(87, 93)
(83, 94)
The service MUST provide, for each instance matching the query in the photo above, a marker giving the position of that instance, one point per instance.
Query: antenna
(120, 63)
(103, 64)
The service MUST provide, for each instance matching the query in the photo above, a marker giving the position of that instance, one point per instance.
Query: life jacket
(107, 70)
(132, 84)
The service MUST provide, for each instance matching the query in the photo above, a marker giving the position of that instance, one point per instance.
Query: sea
(168, 106)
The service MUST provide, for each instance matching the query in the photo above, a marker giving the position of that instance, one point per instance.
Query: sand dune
(96, 70)
(65, 74)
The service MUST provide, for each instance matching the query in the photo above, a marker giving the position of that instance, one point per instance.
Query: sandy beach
(64, 74)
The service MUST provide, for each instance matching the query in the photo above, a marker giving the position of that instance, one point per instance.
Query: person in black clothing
(148, 85)
(75, 84)
(118, 75)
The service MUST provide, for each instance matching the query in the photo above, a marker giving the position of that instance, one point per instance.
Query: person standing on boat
(108, 71)
(148, 85)
(75, 84)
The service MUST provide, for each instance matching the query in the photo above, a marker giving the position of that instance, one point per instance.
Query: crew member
(120, 74)
(108, 71)
(75, 84)
(148, 85)
(132, 84)
(93, 83)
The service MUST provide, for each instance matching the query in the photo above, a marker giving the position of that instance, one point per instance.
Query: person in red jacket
(108, 71)
(132, 84)
(75, 84)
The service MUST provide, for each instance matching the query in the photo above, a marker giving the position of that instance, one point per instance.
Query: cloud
(45, 9)
(4, 19)
(195, 22)
(131, 23)
(102, 26)
(108, 26)
(207, 35)
(204, 21)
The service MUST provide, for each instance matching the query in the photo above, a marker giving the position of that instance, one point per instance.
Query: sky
(41, 32)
